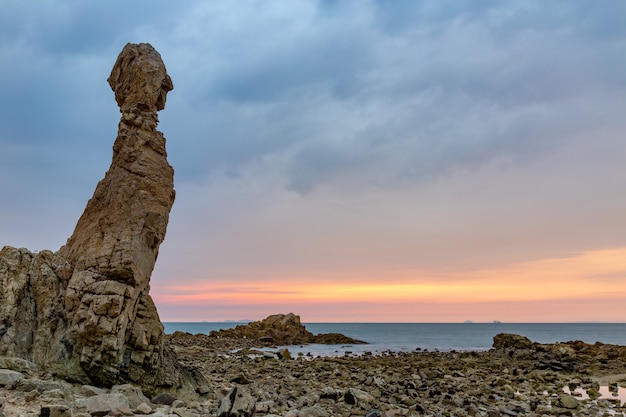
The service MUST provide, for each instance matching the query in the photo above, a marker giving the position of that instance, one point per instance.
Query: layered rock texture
(282, 329)
(85, 312)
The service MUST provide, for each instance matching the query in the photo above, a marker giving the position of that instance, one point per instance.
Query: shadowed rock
(282, 329)
(85, 311)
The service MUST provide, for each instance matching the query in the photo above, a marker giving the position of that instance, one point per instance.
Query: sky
(365, 160)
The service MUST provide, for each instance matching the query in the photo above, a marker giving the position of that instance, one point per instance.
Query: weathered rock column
(113, 326)
(85, 312)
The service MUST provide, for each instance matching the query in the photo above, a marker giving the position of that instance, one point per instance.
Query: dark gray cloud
(454, 84)
(312, 93)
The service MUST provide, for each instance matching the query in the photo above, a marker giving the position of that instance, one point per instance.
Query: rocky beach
(515, 378)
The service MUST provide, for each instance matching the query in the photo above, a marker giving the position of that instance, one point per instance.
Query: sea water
(404, 337)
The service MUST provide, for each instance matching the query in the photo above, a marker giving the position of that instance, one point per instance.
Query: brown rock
(277, 329)
(281, 329)
(508, 340)
(85, 312)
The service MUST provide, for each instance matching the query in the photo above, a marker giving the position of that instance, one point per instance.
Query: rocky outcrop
(85, 311)
(508, 340)
(282, 329)
(108, 260)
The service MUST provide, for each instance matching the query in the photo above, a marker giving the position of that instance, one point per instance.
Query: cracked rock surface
(84, 312)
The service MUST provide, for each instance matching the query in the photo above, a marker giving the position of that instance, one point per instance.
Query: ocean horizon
(406, 337)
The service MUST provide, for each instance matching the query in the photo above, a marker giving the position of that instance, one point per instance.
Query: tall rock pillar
(113, 329)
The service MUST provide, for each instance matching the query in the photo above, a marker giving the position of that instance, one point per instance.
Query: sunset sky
(372, 161)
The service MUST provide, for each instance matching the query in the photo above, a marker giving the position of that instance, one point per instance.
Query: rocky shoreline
(518, 378)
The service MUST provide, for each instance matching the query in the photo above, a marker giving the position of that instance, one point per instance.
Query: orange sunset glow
(587, 279)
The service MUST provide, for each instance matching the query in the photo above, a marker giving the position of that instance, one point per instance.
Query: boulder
(226, 403)
(101, 405)
(237, 403)
(569, 402)
(508, 340)
(134, 394)
(355, 396)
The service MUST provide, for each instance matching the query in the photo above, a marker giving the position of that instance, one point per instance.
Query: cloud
(332, 93)
(315, 136)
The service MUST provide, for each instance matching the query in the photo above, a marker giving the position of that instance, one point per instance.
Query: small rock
(91, 391)
(355, 396)
(8, 377)
(143, 408)
(237, 403)
(54, 394)
(284, 354)
(593, 393)
(164, 399)
(226, 403)
(178, 404)
(100, 405)
(263, 407)
(244, 405)
(203, 389)
(313, 411)
(380, 382)
(184, 413)
(122, 411)
(330, 393)
(240, 379)
(135, 395)
(569, 402)
(161, 413)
